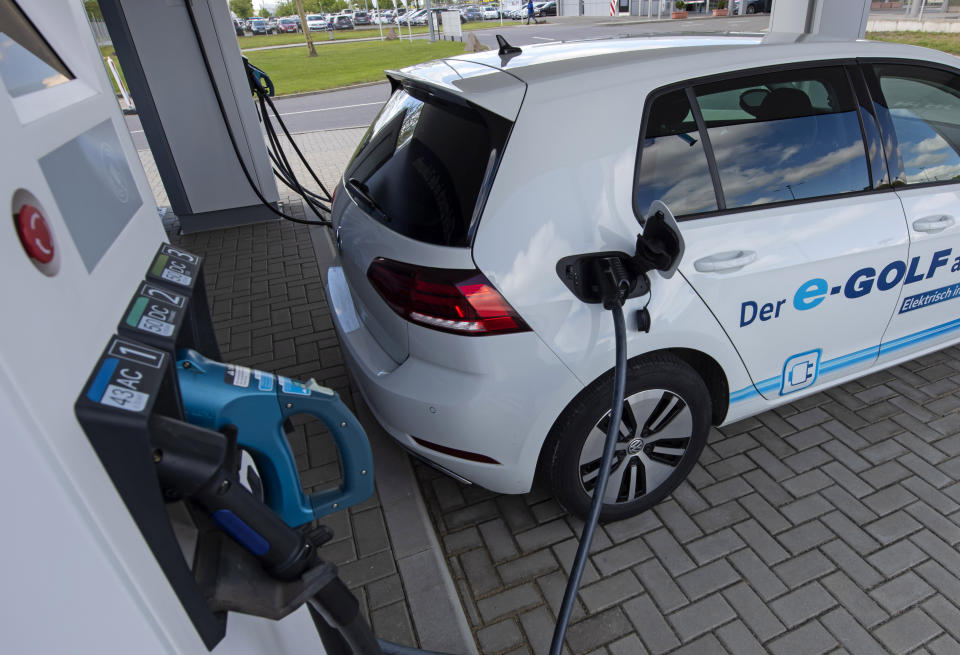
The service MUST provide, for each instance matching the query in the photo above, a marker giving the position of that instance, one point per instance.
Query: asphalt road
(356, 107)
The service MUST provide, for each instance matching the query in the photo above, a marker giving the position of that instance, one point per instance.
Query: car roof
(655, 53)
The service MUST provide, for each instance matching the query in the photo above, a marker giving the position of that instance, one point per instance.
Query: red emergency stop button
(35, 234)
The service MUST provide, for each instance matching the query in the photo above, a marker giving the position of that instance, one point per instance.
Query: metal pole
(433, 35)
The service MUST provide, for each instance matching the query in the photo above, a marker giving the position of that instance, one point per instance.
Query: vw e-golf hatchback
(817, 195)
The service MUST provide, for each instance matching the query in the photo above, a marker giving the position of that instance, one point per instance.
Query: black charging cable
(613, 300)
(233, 141)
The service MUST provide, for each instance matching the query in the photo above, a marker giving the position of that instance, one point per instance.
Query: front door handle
(936, 223)
(723, 262)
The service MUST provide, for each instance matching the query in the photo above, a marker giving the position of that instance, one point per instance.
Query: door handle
(723, 262)
(936, 223)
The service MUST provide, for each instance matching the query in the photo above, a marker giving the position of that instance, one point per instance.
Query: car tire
(658, 386)
(751, 9)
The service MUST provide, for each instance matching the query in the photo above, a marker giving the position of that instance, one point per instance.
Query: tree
(286, 8)
(264, 13)
(311, 51)
(242, 8)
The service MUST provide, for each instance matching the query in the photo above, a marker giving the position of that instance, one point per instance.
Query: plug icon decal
(800, 371)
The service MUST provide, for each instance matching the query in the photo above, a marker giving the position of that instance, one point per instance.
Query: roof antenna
(506, 48)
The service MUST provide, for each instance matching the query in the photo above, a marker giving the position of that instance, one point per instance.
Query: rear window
(427, 162)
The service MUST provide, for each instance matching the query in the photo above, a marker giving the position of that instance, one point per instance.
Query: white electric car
(817, 195)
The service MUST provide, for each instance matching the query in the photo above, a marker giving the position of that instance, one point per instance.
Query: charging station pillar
(826, 18)
(181, 119)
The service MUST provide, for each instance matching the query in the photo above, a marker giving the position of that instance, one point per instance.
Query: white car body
(557, 194)
(316, 23)
(490, 13)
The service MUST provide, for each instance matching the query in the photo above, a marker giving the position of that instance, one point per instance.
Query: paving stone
(649, 623)
(527, 567)
(897, 558)
(808, 459)
(907, 631)
(935, 522)
(853, 599)
(893, 527)
(944, 612)
(700, 617)
(806, 536)
(846, 503)
(721, 516)
(499, 636)
(770, 463)
(885, 474)
(462, 540)
(384, 592)
(931, 496)
(850, 532)
(660, 585)
(498, 540)
(889, 500)
(850, 633)
(758, 574)
(370, 532)
(565, 554)
(753, 611)
(767, 547)
(810, 639)
(597, 630)
(807, 483)
(515, 512)
(676, 520)
(629, 645)
(715, 546)
(669, 552)
(470, 515)
(804, 568)
(552, 586)
(902, 592)
(547, 511)
(392, 623)
(944, 645)
(368, 569)
(738, 639)
(802, 604)
(633, 527)
(847, 479)
(707, 579)
(809, 507)
(690, 500)
(538, 626)
(610, 591)
(938, 549)
(508, 602)
(941, 580)
(544, 535)
(479, 571)
(622, 556)
(771, 490)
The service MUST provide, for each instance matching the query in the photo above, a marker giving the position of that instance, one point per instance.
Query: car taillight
(458, 301)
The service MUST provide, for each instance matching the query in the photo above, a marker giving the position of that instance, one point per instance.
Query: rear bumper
(494, 396)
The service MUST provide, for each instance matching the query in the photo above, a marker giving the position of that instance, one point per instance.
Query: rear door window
(784, 136)
(426, 162)
(924, 107)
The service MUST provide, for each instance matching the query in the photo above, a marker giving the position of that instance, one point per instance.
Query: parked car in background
(341, 22)
(238, 27)
(361, 18)
(471, 13)
(546, 9)
(287, 25)
(490, 12)
(418, 17)
(316, 23)
(261, 26)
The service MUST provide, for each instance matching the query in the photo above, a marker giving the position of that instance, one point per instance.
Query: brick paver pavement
(827, 525)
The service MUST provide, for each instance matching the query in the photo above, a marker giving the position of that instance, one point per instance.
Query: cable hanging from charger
(233, 141)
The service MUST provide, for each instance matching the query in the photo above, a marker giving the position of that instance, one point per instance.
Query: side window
(924, 109)
(785, 136)
(673, 166)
